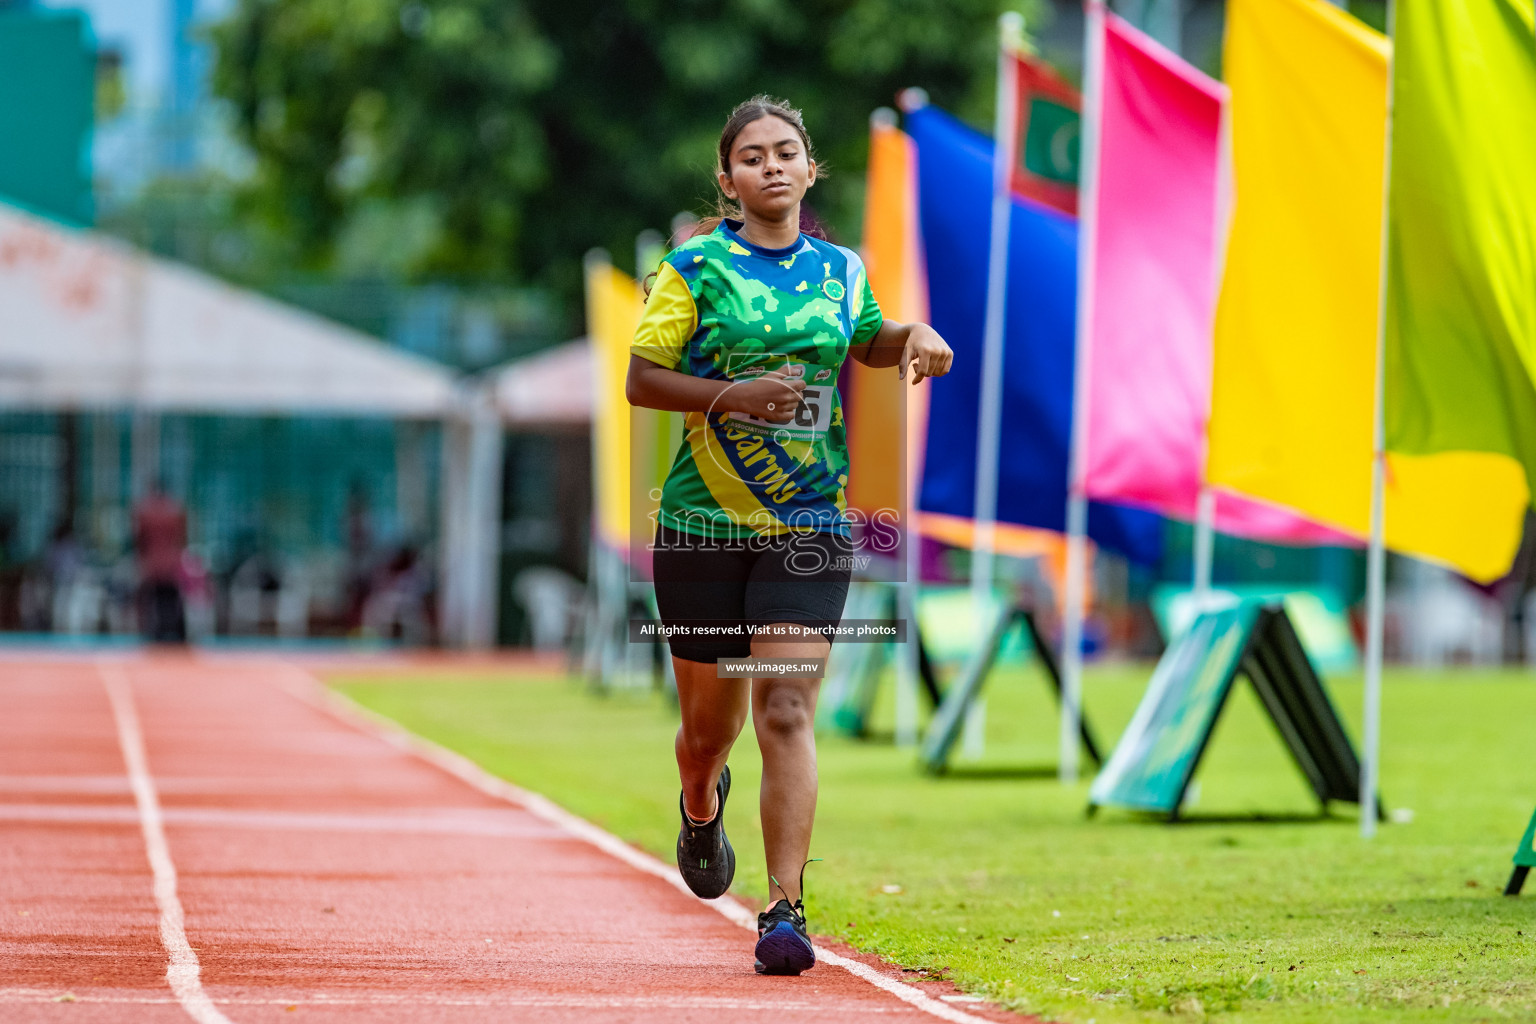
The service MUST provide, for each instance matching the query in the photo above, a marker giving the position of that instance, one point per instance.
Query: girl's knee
(787, 712)
(701, 746)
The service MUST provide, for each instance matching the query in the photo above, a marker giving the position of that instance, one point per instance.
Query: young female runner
(745, 330)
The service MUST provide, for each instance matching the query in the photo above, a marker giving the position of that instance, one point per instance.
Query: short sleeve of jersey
(865, 313)
(669, 320)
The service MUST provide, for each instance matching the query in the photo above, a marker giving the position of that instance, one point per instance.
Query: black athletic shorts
(800, 578)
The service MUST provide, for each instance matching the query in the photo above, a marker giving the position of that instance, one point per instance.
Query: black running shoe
(704, 854)
(782, 945)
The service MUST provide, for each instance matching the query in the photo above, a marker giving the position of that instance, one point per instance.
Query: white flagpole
(989, 421)
(908, 665)
(1205, 542)
(1376, 560)
(1375, 600)
(1077, 466)
(1205, 503)
(908, 661)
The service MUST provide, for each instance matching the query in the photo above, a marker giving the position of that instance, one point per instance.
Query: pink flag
(1157, 227)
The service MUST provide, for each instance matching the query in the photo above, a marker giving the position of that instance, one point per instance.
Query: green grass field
(1007, 890)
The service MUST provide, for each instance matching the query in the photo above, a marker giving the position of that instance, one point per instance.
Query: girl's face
(770, 169)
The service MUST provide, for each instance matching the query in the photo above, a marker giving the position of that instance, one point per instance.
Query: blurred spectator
(254, 591)
(74, 600)
(7, 537)
(358, 530)
(160, 539)
(120, 579)
(397, 605)
(197, 596)
(10, 572)
(551, 598)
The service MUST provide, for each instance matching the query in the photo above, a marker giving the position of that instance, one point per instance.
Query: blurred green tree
(498, 140)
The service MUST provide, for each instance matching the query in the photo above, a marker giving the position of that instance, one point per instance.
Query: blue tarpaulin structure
(955, 198)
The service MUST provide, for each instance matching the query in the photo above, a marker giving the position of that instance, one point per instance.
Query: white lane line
(90, 784)
(183, 973)
(418, 1000)
(310, 690)
(198, 786)
(508, 824)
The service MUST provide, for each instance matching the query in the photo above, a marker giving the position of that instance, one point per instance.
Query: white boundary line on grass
(183, 973)
(313, 692)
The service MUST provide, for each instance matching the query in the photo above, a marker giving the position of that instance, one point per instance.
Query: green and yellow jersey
(725, 309)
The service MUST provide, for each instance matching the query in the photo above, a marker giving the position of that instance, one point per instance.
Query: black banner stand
(1154, 762)
(1525, 859)
(851, 717)
(945, 728)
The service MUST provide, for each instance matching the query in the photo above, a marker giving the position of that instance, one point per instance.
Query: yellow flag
(1292, 409)
(614, 304)
(1292, 404)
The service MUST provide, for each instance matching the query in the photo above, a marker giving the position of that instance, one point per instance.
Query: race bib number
(813, 417)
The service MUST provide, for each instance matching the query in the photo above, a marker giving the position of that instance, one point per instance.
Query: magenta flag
(1157, 231)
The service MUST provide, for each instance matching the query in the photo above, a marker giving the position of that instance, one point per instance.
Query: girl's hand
(773, 396)
(926, 353)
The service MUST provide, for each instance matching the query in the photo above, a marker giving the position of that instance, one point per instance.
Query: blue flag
(955, 209)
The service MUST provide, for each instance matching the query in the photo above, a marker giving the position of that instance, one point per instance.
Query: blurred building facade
(46, 109)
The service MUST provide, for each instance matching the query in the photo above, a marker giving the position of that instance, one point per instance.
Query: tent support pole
(472, 452)
(144, 454)
(483, 526)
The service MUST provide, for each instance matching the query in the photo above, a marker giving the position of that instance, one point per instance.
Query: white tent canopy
(89, 322)
(549, 388)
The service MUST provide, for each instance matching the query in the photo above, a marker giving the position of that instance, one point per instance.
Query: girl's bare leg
(783, 715)
(713, 710)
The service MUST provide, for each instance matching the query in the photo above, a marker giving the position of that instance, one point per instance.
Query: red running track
(195, 838)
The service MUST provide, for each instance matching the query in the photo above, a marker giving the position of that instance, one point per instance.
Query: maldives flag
(1049, 134)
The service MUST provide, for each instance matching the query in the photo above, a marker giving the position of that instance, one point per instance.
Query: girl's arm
(773, 396)
(917, 346)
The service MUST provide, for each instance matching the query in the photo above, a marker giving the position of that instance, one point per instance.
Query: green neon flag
(1461, 309)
